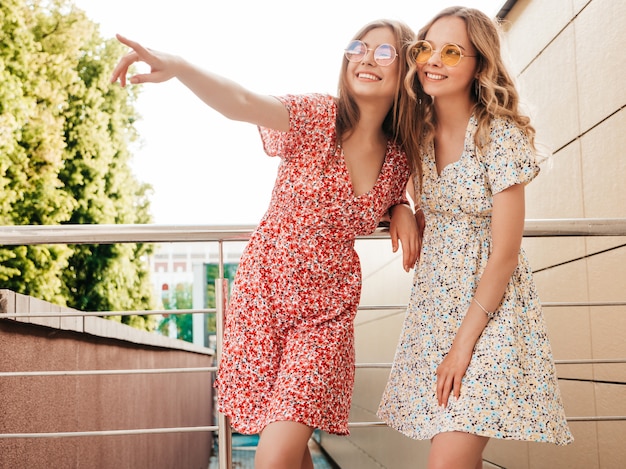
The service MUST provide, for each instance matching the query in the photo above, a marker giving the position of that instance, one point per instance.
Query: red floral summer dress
(288, 350)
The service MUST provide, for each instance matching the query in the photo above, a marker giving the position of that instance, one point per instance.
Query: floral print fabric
(510, 388)
(288, 341)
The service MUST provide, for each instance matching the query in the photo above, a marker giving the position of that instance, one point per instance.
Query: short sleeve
(510, 158)
(311, 116)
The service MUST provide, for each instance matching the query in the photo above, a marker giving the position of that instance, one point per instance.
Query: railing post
(224, 437)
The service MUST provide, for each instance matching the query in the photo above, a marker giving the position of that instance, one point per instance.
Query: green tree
(31, 150)
(65, 134)
(181, 299)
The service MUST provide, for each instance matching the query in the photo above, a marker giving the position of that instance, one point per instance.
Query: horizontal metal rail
(71, 314)
(134, 431)
(212, 369)
(575, 227)
(111, 234)
(142, 431)
(562, 304)
(214, 428)
(16, 235)
(131, 371)
(598, 418)
(165, 312)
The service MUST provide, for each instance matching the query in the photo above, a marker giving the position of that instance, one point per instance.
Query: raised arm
(224, 95)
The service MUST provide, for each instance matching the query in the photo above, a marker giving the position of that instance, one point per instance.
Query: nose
(368, 57)
(435, 57)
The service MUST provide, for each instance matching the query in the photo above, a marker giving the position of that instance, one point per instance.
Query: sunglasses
(384, 55)
(451, 54)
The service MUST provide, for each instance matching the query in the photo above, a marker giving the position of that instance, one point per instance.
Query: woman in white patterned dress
(473, 361)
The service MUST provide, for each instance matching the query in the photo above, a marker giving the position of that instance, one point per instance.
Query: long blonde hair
(494, 91)
(403, 113)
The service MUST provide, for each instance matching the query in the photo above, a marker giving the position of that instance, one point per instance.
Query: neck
(452, 110)
(370, 124)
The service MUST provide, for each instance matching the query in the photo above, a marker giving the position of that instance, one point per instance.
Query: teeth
(432, 76)
(368, 76)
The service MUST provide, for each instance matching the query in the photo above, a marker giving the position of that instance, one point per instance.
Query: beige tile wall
(576, 95)
(600, 65)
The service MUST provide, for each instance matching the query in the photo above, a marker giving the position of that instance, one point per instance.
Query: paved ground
(244, 448)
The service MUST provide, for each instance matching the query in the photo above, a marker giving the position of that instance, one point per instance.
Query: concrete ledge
(16, 303)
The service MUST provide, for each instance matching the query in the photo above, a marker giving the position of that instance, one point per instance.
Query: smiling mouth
(434, 76)
(368, 76)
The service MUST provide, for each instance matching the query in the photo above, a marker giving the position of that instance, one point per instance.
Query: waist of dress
(303, 253)
(454, 227)
(306, 229)
(459, 217)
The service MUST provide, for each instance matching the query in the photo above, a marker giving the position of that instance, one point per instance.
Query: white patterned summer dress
(510, 388)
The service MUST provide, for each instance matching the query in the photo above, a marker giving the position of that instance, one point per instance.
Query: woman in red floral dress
(287, 365)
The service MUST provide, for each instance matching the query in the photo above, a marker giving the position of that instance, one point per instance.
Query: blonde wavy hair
(402, 118)
(494, 91)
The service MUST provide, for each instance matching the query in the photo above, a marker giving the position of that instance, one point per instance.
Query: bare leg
(284, 445)
(456, 450)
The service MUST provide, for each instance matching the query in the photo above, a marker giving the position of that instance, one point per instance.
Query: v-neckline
(469, 130)
(349, 176)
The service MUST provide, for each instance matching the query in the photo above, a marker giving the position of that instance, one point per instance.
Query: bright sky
(205, 169)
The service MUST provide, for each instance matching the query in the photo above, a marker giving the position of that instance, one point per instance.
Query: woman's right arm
(225, 96)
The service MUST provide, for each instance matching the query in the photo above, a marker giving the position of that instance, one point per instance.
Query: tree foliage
(65, 134)
(181, 298)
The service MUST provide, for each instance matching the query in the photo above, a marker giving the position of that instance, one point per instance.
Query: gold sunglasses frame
(413, 55)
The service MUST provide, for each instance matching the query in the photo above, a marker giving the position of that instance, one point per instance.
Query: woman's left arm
(403, 228)
(507, 229)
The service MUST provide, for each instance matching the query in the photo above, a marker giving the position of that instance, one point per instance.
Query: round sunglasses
(451, 54)
(384, 54)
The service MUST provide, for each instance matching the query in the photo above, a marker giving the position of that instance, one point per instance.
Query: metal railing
(111, 234)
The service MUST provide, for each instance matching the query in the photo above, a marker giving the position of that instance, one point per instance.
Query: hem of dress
(415, 436)
(242, 426)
